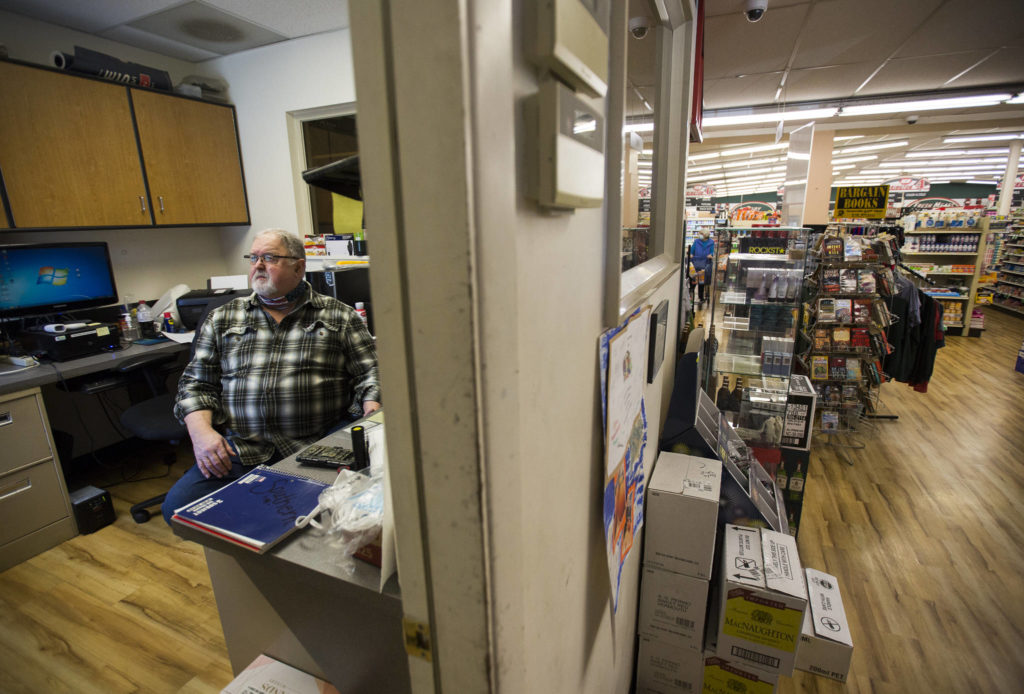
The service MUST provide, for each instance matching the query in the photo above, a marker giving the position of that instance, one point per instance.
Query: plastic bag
(352, 511)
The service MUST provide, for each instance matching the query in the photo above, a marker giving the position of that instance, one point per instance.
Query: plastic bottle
(167, 325)
(145, 316)
(360, 308)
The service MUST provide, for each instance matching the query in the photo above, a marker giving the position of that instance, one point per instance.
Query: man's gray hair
(292, 243)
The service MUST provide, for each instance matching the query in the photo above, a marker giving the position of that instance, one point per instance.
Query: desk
(295, 604)
(46, 373)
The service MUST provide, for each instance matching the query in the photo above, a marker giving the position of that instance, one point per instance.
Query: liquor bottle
(796, 485)
(722, 397)
(781, 478)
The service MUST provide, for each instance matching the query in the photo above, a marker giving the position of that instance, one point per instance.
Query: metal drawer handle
(161, 199)
(6, 418)
(16, 488)
(142, 202)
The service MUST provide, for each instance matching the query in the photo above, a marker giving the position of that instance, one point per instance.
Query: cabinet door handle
(6, 418)
(142, 202)
(22, 485)
(161, 199)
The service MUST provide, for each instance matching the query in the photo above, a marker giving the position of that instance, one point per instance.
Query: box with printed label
(672, 607)
(664, 668)
(826, 646)
(682, 514)
(724, 677)
(763, 599)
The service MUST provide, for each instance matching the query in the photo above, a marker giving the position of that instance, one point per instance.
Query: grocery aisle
(925, 531)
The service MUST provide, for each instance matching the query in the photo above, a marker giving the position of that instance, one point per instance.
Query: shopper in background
(272, 372)
(702, 253)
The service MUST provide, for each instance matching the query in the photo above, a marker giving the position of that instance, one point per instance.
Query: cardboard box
(724, 677)
(663, 668)
(266, 674)
(673, 607)
(763, 599)
(826, 646)
(682, 514)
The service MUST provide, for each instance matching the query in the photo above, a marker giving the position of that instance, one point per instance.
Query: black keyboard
(333, 457)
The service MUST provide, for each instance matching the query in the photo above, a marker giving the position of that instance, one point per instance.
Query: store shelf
(948, 274)
(939, 297)
(958, 230)
(954, 325)
(1015, 309)
(1013, 272)
(970, 253)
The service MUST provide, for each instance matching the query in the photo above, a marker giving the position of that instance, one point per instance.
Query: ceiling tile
(158, 44)
(735, 7)
(315, 17)
(741, 91)
(853, 32)
(837, 82)
(916, 74)
(733, 46)
(91, 17)
(1006, 66)
(966, 25)
(206, 27)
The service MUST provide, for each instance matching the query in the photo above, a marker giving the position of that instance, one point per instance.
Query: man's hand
(213, 455)
(370, 406)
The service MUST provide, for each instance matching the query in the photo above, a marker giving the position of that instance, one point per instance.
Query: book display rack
(843, 341)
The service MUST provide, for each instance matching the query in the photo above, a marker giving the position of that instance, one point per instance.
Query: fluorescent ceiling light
(846, 137)
(985, 183)
(943, 162)
(806, 114)
(956, 152)
(638, 128)
(751, 162)
(753, 149)
(982, 138)
(1019, 99)
(870, 148)
(843, 166)
(924, 105)
(850, 160)
(709, 155)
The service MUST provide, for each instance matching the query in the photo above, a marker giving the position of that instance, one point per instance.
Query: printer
(192, 305)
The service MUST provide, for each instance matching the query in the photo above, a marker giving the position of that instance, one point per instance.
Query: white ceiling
(192, 31)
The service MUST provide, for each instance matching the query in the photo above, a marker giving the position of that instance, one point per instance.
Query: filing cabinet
(35, 511)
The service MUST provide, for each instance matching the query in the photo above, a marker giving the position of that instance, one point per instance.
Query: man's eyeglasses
(268, 258)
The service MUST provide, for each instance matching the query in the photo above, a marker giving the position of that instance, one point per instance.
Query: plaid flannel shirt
(279, 386)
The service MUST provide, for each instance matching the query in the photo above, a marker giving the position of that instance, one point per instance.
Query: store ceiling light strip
(869, 148)
(781, 116)
(850, 160)
(942, 162)
(982, 138)
(925, 105)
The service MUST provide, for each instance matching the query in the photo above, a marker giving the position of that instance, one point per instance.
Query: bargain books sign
(861, 202)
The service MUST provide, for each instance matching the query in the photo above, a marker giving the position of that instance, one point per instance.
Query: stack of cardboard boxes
(761, 622)
(679, 551)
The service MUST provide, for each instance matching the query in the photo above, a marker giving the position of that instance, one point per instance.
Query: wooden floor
(925, 532)
(126, 609)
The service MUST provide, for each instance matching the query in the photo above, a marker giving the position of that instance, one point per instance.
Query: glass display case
(756, 292)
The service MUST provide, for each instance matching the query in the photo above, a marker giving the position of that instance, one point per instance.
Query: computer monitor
(50, 278)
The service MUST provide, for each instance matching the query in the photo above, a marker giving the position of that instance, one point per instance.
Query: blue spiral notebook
(257, 510)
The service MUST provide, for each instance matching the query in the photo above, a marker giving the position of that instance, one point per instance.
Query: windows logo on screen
(52, 275)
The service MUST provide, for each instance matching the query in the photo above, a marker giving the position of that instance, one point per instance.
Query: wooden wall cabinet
(191, 156)
(68, 151)
(73, 154)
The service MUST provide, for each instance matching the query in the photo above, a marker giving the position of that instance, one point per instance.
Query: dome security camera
(639, 26)
(911, 120)
(755, 10)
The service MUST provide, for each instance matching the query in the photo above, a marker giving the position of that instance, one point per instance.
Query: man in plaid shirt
(272, 372)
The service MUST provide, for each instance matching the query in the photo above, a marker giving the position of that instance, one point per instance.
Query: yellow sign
(861, 202)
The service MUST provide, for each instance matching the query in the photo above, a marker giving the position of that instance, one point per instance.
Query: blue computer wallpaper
(41, 277)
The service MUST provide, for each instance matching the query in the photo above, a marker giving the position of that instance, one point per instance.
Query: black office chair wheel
(141, 515)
